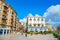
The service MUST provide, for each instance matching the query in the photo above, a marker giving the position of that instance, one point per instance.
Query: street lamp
(26, 29)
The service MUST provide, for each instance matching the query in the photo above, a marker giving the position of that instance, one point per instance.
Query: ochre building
(8, 17)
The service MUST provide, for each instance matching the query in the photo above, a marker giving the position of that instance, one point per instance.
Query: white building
(36, 23)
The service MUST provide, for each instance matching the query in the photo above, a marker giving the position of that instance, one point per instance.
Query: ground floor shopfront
(38, 29)
(6, 29)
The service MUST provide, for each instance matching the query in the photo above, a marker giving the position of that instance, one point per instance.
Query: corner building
(36, 23)
(8, 17)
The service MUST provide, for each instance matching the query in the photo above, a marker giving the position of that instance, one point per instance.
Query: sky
(47, 8)
(24, 7)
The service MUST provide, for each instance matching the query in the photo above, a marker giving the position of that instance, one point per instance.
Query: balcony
(5, 10)
(11, 23)
(5, 7)
(4, 22)
(4, 17)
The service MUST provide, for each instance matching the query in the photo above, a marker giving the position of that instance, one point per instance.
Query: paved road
(13, 37)
(42, 37)
(29, 37)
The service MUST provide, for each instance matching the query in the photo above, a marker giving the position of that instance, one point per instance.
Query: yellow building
(21, 23)
(49, 26)
(8, 16)
(21, 26)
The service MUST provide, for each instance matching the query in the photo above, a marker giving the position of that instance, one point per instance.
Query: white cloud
(37, 15)
(53, 13)
(30, 14)
(22, 20)
(25, 19)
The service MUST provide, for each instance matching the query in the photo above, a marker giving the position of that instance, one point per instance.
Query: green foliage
(56, 34)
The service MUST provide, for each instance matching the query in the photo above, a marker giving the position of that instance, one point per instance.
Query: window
(4, 17)
(34, 24)
(34, 19)
(12, 13)
(4, 11)
(30, 25)
(38, 19)
(4, 22)
(12, 19)
(30, 19)
(42, 25)
(42, 19)
(38, 24)
(11, 23)
(5, 7)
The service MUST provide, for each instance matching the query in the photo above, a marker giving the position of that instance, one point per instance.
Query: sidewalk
(42, 37)
(18, 36)
(14, 36)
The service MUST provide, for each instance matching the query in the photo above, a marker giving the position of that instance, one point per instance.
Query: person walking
(26, 31)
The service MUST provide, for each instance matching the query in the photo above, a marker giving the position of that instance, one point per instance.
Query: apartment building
(21, 28)
(36, 23)
(8, 16)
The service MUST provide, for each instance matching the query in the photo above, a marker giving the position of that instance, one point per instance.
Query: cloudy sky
(50, 9)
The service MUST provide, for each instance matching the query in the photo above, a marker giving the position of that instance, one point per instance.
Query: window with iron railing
(4, 17)
(38, 24)
(4, 12)
(12, 13)
(34, 24)
(4, 22)
(11, 23)
(5, 7)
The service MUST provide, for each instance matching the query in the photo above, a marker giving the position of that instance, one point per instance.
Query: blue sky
(50, 9)
(24, 7)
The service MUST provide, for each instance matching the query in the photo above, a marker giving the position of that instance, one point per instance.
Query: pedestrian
(26, 31)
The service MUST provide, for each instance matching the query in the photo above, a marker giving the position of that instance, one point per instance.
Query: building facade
(8, 16)
(21, 27)
(58, 29)
(36, 23)
(49, 26)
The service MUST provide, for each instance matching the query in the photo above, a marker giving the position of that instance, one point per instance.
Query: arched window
(34, 24)
(30, 19)
(42, 19)
(38, 24)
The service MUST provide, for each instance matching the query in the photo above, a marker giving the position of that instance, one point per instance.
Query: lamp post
(26, 29)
